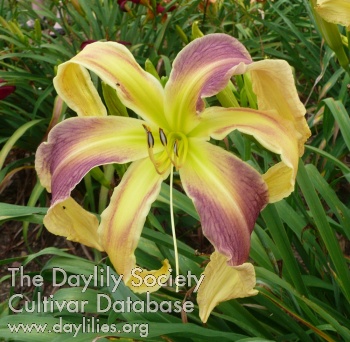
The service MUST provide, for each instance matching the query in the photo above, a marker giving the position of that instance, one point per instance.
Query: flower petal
(273, 84)
(201, 69)
(222, 283)
(280, 108)
(228, 195)
(123, 220)
(69, 219)
(272, 131)
(116, 66)
(73, 84)
(77, 145)
(334, 11)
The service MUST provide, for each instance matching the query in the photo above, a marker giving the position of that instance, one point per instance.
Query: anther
(150, 142)
(150, 139)
(176, 149)
(163, 138)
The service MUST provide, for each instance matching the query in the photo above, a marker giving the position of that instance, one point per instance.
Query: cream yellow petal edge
(73, 83)
(280, 180)
(334, 11)
(115, 65)
(222, 282)
(274, 85)
(142, 280)
(69, 219)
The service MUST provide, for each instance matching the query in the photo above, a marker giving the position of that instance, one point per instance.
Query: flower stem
(173, 226)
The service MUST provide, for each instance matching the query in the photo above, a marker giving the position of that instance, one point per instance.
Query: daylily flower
(173, 131)
(6, 90)
(335, 11)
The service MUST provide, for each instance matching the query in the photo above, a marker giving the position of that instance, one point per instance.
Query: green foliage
(300, 245)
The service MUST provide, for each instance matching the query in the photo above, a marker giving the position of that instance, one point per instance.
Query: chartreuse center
(174, 153)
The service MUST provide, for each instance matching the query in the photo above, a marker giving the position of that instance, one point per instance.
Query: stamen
(182, 152)
(176, 148)
(150, 139)
(150, 142)
(153, 160)
(164, 141)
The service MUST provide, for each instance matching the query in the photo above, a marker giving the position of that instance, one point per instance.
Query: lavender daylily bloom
(173, 131)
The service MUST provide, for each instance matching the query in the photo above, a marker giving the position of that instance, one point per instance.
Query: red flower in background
(6, 90)
(151, 12)
(122, 3)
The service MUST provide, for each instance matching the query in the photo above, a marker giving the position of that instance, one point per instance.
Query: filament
(177, 148)
(150, 143)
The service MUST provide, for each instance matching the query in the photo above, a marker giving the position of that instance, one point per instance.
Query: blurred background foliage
(300, 245)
